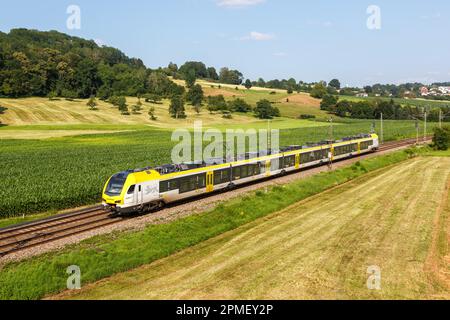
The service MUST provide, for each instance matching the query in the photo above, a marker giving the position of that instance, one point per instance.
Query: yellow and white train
(147, 189)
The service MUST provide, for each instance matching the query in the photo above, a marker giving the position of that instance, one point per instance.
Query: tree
(196, 67)
(290, 90)
(328, 103)
(265, 110)
(151, 114)
(197, 108)
(159, 84)
(230, 76)
(137, 107)
(190, 78)
(319, 91)
(248, 84)
(335, 84)
(176, 108)
(92, 104)
(368, 89)
(217, 103)
(342, 108)
(441, 139)
(122, 104)
(195, 95)
(212, 74)
(239, 105)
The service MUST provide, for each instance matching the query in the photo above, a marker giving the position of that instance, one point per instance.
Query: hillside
(35, 63)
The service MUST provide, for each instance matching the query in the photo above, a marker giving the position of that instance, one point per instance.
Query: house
(424, 91)
(362, 95)
(444, 90)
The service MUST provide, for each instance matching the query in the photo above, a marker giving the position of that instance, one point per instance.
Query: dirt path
(318, 248)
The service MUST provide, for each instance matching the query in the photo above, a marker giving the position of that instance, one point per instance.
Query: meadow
(106, 255)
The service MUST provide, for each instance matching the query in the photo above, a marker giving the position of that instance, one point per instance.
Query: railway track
(37, 233)
(403, 143)
(40, 232)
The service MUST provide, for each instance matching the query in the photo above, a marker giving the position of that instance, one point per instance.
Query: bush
(239, 105)
(265, 110)
(441, 139)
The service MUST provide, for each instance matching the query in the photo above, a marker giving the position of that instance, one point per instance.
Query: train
(149, 189)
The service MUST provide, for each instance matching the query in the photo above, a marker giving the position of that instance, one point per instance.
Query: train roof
(173, 168)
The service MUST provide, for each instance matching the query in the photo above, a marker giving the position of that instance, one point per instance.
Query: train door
(139, 195)
(268, 168)
(359, 148)
(297, 161)
(210, 181)
(130, 197)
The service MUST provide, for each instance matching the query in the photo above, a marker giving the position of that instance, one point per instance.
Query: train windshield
(116, 184)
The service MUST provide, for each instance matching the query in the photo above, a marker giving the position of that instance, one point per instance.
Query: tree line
(53, 64)
(372, 109)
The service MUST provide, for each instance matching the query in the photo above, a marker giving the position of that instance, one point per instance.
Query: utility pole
(382, 130)
(425, 128)
(331, 129)
(417, 132)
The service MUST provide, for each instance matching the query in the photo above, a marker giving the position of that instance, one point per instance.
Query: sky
(357, 41)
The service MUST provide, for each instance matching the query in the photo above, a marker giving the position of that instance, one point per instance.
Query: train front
(113, 192)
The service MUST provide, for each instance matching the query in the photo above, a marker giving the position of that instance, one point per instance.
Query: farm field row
(40, 179)
(320, 248)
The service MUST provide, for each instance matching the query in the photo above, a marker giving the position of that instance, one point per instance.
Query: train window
(221, 176)
(163, 186)
(201, 180)
(244, 172)
(236, 173)
(131, 190)
(288, 162)
(115, 185)
(276, 163)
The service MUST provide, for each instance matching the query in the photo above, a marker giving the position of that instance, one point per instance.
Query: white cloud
(238, 3)
(258, 36)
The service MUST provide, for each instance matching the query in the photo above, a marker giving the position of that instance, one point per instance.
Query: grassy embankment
(103, 256)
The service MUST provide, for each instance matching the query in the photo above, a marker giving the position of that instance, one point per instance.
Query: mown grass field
(106, 255)
(319, 248)
(23, 113)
